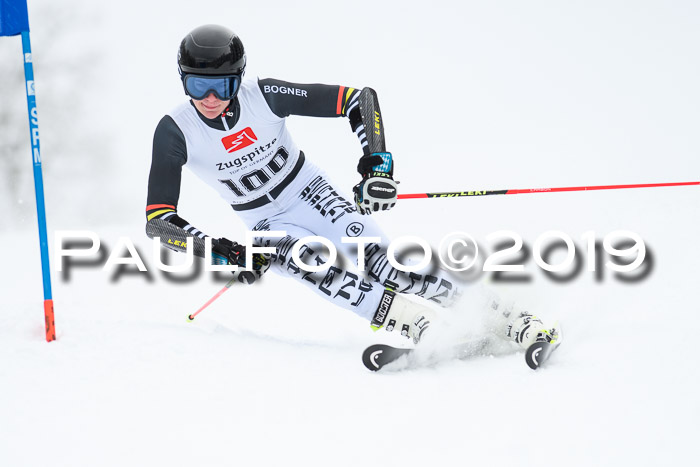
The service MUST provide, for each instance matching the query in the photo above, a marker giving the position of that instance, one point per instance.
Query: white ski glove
(377, 190)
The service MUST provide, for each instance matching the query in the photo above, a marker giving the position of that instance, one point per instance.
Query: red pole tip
(50, 324)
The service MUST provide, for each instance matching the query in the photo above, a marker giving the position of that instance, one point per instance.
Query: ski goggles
(200, 86)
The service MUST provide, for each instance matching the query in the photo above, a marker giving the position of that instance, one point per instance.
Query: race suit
(249, 157)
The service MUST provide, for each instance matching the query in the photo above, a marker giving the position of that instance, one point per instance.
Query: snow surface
(508, 95)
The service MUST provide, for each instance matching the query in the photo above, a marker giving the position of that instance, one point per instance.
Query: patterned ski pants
(311, 206)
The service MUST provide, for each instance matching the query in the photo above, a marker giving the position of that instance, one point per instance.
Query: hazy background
(475, 95)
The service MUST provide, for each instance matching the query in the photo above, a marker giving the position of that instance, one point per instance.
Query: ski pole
(219, 294)
(454, 194)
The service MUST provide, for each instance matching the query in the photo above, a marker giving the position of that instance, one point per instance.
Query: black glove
(377, 190)
(226, 252)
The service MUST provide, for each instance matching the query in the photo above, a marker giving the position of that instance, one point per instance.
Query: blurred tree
(14, 128)
(67, 54)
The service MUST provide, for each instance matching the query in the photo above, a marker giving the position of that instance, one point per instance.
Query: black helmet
(211, 50)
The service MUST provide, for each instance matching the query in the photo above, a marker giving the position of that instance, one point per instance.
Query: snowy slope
(510, 96)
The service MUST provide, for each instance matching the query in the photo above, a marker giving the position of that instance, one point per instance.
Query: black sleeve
(310, 100)
(323, 100)
(169, 155)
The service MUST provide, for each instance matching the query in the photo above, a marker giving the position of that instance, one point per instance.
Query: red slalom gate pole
(455, 194)
(218, 294)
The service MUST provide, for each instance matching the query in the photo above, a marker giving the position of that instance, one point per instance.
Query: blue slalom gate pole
(38, 186)
(15, 20)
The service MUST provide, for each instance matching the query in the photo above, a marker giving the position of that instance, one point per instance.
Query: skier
(232, 135)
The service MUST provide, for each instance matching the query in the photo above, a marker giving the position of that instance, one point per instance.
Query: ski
(376, 356)
(538, 353)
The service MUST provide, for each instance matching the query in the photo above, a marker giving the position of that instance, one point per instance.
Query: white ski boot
(397, 312)
(526, 329)
(522, 327)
